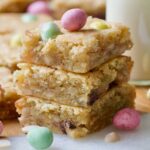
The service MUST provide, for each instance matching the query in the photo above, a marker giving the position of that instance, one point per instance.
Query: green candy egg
(27, 18)
(49, 30)
(40, 138)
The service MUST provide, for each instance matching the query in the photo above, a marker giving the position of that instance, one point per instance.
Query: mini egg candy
(27, 18)
(49, 30)
(99, 25)
(1, 127)
(40, 138)
(39, 7)
(74, 19)
(16, 40)
(126, 119)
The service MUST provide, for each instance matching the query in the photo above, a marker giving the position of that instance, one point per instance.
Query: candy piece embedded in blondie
(14, 5)
(91, 7)
(70, 88)
(8, 95)
(10, 46)
(75, 121)
(79, 51)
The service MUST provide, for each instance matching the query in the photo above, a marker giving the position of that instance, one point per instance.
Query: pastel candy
(27, 18)
(39, 7)
(99, 25)
(1, 127)
(49, 30)
(74, 19)
(126, 119)
(40, 138)
(16, 40)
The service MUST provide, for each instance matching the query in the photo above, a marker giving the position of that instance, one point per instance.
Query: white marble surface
(135, 140)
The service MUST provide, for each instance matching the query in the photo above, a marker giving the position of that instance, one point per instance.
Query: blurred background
(56, 7)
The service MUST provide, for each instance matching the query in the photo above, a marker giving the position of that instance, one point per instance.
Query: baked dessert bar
(79, 51)
(14, 5)
(75, 121)
(91, 7)
(8, 95)
(69, 88)
(10, 53)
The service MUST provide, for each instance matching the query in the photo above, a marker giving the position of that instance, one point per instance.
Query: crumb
(112, 137)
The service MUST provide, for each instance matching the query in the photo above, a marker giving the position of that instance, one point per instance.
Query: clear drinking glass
(136, 15)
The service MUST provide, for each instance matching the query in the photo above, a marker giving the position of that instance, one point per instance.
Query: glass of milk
(136, 15)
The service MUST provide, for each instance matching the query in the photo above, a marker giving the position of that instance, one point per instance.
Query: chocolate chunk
(82, 126)
(93, 96)
(62, 127)
(69, 124)
(112, 84)
(66, 125)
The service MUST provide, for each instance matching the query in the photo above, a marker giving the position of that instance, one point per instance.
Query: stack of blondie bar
(12, 27)
(75, 83)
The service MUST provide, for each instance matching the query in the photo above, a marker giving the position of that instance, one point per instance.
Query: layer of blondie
(79, 51)
(75, 121)
(8, 95)
(14, 5)
(91, 7)
(9, 52)
(70, 88)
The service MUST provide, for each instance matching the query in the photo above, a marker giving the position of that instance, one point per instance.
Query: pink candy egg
(39, 7)
(74, 19)
(126, 119)
(1, 127)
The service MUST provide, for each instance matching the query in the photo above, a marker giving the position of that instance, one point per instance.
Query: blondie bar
(91, 7)
(75, 121)
(8, 95)
(69, 88)
(9, 52)
(79, 51)
(14, 5)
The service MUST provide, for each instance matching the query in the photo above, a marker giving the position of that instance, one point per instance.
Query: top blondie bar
(77, 52)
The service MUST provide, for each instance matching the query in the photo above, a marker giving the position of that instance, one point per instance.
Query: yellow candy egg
(99, 25)
(16, 40)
